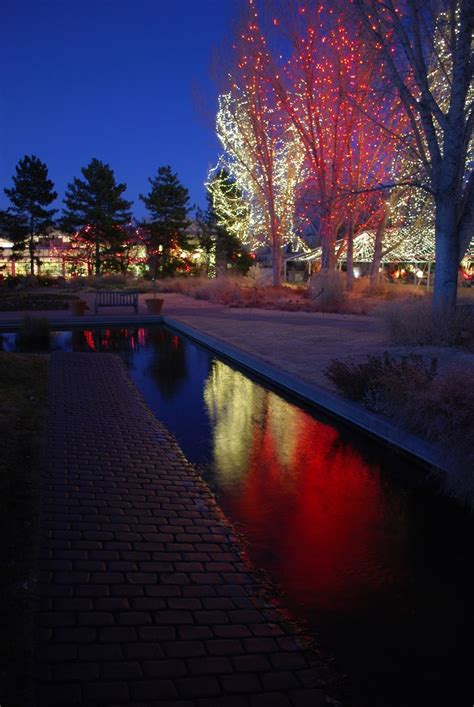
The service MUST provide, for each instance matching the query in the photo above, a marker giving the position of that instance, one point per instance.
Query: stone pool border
(56, 322)
(334, 406)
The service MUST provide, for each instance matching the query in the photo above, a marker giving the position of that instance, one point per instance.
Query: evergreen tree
(224, 218)
(168, 205)
(28, 216)
(95, 204)
(14, 228)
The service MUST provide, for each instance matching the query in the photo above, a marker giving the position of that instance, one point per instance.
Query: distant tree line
(98, 216)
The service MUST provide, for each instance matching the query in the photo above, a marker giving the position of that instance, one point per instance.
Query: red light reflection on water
(89, 339)
(114, 339)
(319, 519)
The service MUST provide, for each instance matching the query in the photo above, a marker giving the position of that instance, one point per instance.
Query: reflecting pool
(376, 562)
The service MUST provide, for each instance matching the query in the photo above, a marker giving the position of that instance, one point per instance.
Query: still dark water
(378, 563)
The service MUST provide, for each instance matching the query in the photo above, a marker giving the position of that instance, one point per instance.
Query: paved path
(144, 598)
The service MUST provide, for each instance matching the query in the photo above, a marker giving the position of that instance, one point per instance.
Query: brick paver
(144, 597)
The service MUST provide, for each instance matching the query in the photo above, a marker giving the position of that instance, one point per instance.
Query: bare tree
(426, 46)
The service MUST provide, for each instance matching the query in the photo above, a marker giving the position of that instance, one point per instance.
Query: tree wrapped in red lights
(327, 84)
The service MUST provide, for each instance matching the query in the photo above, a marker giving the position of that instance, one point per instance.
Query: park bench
(112, 298)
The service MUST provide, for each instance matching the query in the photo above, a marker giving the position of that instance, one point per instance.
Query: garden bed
(30, 301)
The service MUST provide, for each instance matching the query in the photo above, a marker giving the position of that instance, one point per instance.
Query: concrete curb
(96, 320)
(352, 413)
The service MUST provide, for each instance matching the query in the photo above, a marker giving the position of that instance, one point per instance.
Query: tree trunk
(350, 259)
(328, 246)
(97, 255)
(221, 258)
(447, 255)
(375, 265)
(277, 261)
(31, 247)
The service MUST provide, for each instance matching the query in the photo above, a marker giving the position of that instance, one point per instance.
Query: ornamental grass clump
(380, 379)
(34, 334)
(435, 405)
(414, 324)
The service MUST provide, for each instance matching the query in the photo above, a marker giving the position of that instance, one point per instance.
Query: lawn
(22, 417)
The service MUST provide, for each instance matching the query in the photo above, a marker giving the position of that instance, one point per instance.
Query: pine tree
(219, 224)
(168, 205)
(95, 204)
(31, 193)
(14, 228)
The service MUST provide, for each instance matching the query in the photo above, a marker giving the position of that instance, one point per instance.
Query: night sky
(127, 81)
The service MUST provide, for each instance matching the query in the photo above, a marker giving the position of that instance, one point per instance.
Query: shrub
(443, 413)
(414, 324)
(20, 282)
(446, 407)
(101, 282)
(375, 380)
(438, 406)
(258, 276)
(34, 334)
(50, 281)
(18, 301)
(222, 290)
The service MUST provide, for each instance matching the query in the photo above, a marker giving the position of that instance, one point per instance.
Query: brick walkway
(144, 598)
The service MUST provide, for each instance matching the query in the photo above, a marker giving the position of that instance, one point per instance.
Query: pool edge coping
(352, 413)
(70, 321)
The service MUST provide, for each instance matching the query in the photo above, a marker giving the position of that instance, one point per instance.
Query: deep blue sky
(126, 81)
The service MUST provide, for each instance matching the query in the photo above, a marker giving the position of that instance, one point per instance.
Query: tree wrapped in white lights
(231, 210)
(266, 161)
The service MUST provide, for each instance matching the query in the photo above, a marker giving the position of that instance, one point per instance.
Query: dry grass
(413, 324)
(239, 292)
(325, 293)
(22, 413)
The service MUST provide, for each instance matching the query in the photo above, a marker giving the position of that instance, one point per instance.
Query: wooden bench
(113, 298)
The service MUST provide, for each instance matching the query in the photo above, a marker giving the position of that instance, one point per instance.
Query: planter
(78, 307)
(154, 305)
